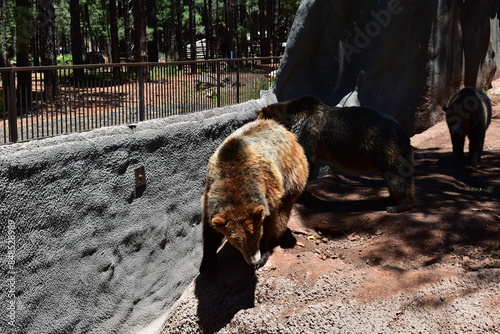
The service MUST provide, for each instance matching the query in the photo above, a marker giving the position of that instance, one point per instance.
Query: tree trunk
(46, 17)
(275, 26)
(128, 30)
(23, 26)
(181, 49)
(3, 31)
(94, 45)
(140, 38)
(269, 26)
(153, 45)
(192, 36)
(207, 23)
(264, 40)
(243, 42)
(230, 15)
(171, 30)
(76, 39)
(113, 32)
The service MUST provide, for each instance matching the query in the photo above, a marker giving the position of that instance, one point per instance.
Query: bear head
(243, 229)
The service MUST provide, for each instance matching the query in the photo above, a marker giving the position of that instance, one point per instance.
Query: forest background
(52, 32)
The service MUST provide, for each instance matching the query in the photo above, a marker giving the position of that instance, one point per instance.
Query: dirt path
(434, 269)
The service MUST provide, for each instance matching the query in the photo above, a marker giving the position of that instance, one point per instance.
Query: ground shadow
(456, 211)
(224, 292)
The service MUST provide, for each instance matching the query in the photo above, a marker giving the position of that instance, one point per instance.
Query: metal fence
(64, 99)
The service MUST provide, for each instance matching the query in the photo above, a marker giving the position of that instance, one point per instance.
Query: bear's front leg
(476, 142)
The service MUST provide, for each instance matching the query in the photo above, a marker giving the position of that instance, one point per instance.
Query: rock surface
(403, 57)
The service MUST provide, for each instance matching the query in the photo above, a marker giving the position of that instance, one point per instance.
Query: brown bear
(355, 139)
(253, 179)
(468, 114)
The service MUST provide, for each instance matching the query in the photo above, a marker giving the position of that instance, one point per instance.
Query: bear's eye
(249, 227)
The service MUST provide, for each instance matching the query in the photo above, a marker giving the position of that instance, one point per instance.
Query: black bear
(355, 139)
(468, 114)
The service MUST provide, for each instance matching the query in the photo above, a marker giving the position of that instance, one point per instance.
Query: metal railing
(64, 99)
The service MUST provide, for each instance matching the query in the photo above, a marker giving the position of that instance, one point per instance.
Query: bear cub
(468, 114)
(253, 179)
(355, 139)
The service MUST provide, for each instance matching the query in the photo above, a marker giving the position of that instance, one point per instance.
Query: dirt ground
(357, 269)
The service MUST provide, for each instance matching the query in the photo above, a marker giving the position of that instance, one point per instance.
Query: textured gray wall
(92, 254)
(495, 42)
(403, 57)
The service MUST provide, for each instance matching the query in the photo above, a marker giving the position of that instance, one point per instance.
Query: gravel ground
(357, 269)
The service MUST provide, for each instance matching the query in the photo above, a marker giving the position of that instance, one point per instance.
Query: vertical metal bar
(103, 96)
(32, 112)
(38, 105)
(51, 107)
(151, 92)
(237, 82)
(117, 89)
(170, 81)
(101, 102)
(218, 83)
(29, 115)
(114, 100)
(172, 87)
(4, 113)
(63, 99)
(161, 88)
(56, 103)
(141, 93)
(128, 109)
(13, 134)
(23, 121)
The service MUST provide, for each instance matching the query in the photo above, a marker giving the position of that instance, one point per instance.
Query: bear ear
(264, 113)
(280, 108)
(218, 222)
(260, 212)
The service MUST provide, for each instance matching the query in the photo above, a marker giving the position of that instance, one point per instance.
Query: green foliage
(64, 59)
(172, 17)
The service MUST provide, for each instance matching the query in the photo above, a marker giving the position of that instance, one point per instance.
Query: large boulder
(404, 58)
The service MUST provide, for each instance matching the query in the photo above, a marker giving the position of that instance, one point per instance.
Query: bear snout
(253, 259)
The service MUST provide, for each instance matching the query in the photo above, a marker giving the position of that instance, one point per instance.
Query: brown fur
(355, 139)
(253, 180)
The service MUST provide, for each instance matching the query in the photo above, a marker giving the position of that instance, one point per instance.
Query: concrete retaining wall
(92, 253)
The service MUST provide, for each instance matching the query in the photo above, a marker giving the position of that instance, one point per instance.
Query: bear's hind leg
(401, 189)
(458, 147)
(476, 143)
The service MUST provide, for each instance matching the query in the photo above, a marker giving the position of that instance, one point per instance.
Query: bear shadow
(313, 203)
(225, 291)
(336, 186)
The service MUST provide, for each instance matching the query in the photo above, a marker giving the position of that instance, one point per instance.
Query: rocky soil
(357, 269)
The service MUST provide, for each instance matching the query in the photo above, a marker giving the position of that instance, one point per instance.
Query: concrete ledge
(94, 254)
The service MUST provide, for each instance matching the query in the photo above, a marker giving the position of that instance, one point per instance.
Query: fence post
(238, 82)
(218, 83)
(11, 96)
(141, 93)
